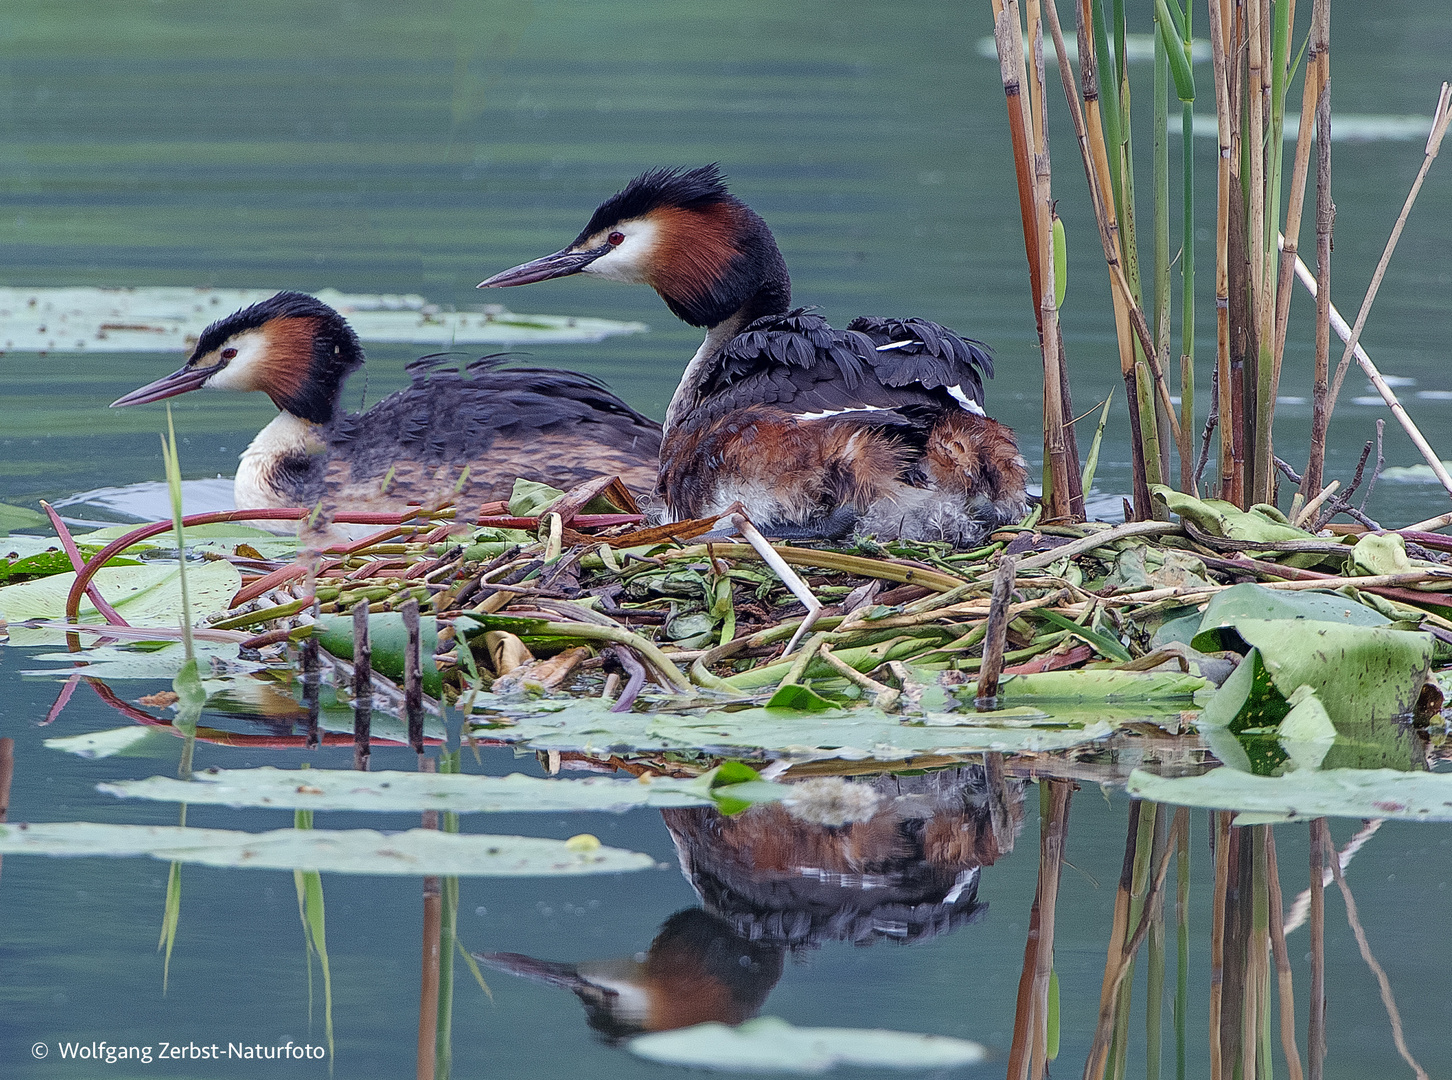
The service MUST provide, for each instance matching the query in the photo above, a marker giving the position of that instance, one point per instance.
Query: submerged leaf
(768, 1044)
(351, 851)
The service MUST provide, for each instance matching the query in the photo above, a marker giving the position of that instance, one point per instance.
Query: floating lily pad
(864, 733)
(1360, 673)
(328, 789)
(136, 740)
(1353, 793)
(1246, 601)
(164, 319)
(768, 1044)
(351, 851)
(117, 662)
(148, 595)
(19, 517)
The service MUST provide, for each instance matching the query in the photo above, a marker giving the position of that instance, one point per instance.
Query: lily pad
(163, 319)
(1360, 673)
(863, 733)
(1247, 601)
(1352, 793)
(351, 851)
(135, 740)
(769, 1044)
(148, 595)
(116, 662)
(19, 517)
(329, 789)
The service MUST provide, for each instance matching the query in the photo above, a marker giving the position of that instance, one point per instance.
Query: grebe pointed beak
(560, 264)
(178, 382)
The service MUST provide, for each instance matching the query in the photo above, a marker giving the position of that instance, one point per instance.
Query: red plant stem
(78, 564)
(219, 737)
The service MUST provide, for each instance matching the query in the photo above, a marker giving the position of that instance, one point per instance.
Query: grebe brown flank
(875, 430)
(499, 422)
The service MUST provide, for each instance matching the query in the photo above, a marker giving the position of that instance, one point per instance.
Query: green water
(390, 148)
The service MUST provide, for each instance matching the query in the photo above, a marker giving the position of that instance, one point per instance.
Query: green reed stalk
(1155, 956)
(1162, 310)
(1182, 936)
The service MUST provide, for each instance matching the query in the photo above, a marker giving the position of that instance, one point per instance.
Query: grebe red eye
(616, 239)
(229, 354)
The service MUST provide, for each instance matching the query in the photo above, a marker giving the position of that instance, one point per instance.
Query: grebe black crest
(875, 430)
(449, 435)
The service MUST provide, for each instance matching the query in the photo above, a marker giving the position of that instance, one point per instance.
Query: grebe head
(294, 348)
(682, 233)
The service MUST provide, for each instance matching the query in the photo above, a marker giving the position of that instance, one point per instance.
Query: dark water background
(392, 148)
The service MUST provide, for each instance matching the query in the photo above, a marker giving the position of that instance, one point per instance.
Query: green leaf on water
(135, 740)
(383, 791)
(769, 1044)
(19, 517)
(863, 733)
(797, 696)
(1351, 793)
(146, 595)
(351, 851)
(1093, 684)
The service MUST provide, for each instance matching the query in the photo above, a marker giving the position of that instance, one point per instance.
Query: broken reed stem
(1284, 982)
(996, 635)
(433, 922)
(362, 688)
(1325, 216)
(1382, 982)
(1434, 144)
(311, 681)
(1374, 375)
(1316, 1025)
(413, 676)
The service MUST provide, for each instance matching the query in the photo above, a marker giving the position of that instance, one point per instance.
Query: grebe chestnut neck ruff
(819, 433)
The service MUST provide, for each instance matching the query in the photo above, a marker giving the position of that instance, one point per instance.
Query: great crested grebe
(445, 436)
(817, 432)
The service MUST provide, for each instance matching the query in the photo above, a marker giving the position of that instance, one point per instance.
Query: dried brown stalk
(1285, 991)
(1325, 215)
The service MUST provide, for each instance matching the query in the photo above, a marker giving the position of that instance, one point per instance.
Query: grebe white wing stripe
(964, 400)
(897, 345)
(825, 413)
